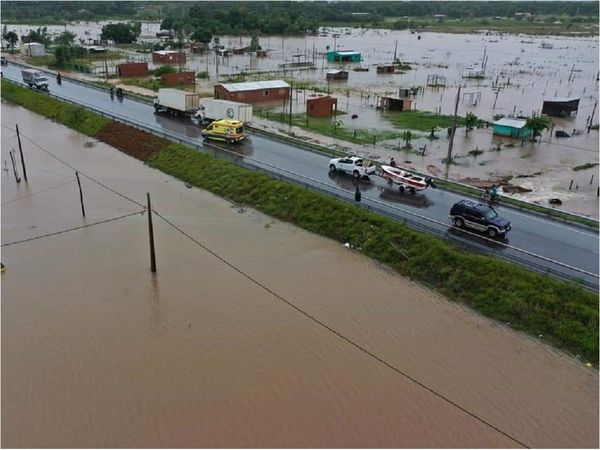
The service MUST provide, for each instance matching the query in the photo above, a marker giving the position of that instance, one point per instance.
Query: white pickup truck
(355, 165)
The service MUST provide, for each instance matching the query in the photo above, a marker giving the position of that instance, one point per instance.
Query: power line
(338, 334)
(77, 170)
(72, 229)
(36, 193)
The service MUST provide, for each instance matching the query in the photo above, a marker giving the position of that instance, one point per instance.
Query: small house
(321, 106)
(343, 56)
(33, 49)
(168, 57)
(173, 79)
(132, 69)
(386, 68)
(514, 128)
(395, 103)
(336, 75)
(560, 107)
(253, 91)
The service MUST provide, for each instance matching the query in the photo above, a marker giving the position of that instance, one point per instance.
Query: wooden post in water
(450, 144)
(21, 152)
(151, 234)
(80, 194)
(291, 98)
(12, 159)
(592, 117)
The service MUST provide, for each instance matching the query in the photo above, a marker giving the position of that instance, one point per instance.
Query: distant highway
(542, 244)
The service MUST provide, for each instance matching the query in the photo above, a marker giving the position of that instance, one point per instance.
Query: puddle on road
(98, 353)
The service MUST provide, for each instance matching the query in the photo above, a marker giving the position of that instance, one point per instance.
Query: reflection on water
(349, 183)
(461, 237)
(97, 352)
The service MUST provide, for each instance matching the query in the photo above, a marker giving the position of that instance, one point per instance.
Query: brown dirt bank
(137, 143)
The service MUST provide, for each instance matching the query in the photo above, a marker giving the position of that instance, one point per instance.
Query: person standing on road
(393, 163)
(357, 195)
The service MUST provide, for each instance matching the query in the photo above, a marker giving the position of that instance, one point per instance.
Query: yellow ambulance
(229, 131)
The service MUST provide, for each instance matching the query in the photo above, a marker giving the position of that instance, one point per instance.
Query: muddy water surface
(97, 352)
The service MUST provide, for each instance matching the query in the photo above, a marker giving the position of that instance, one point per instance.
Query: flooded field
(97, 352)
(520, 72)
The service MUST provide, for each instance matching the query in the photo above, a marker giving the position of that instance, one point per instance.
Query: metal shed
(343, 56)
(560, 107)
(512, 128)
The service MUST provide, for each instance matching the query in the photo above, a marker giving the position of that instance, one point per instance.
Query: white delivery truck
(176, 102)
(35, 78)
(212, 109)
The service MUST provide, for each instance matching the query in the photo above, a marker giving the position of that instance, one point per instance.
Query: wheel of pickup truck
(401, 189)
(492, 232)
(413, 191)
(332, 168)
(356, 174)
(459, 222)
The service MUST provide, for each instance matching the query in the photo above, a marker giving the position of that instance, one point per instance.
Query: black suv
(480, 217)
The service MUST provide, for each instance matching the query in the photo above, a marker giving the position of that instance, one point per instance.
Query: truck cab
(228, 131)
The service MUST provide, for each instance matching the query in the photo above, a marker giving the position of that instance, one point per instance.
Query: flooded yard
(295, 342)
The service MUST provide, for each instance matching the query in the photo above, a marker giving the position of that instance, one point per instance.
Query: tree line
(279, 17)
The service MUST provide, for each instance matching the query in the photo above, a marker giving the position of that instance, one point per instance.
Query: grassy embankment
(565, 314)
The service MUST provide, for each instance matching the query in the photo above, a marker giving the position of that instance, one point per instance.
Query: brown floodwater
(97, 352)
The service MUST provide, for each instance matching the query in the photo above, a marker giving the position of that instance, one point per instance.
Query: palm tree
(470, 122)
(537, 124)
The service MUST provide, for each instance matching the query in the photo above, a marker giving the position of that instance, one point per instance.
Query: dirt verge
(137, 143)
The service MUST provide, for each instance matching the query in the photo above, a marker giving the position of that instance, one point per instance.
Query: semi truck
(212, 109)
(174, 101)
(34, 78)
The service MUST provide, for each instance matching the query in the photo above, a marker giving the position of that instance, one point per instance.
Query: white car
(358, 167)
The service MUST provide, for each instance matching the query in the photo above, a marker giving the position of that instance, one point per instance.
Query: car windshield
(490, 214)
(239, 130)
(42, 79)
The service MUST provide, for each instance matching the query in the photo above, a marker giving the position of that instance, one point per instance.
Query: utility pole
(291, 97)
(21, 151)
(589, 125)
(80, 194)
(151, 233)
(450, 144)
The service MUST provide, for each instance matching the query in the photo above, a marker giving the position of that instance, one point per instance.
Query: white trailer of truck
(212, 109)
(176, 102)
(35, 78)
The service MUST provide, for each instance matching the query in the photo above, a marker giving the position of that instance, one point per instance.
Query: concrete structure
(514, 128)
(253, 92)
(168, 57)
(343, 56)
(336, 75)
(395, 103)
(132, 69)
(33, 49)
(173, 79)
(560, 107)
(321, 106)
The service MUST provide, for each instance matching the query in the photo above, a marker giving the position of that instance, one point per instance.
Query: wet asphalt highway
(570, 245)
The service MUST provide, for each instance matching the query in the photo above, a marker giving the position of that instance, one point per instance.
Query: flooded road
(96, 352)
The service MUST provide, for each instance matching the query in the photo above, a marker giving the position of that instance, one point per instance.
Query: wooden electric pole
(80, 194)
(21, 152)
(589, 125)
(151, 233)
(450, 144)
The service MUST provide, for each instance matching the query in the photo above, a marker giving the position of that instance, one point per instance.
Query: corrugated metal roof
(562, 99)
(347, 53)
(255, 85)
(513, 123)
